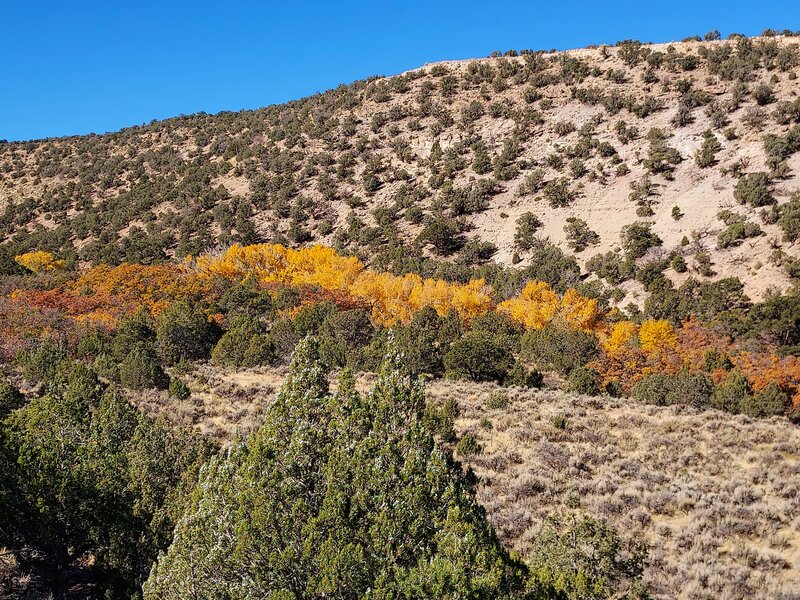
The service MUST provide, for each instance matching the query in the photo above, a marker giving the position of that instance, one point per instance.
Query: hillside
(525, 326)
(712, 494)
(696, 139)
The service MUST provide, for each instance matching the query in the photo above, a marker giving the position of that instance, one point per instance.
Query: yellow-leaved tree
(579, 312)
(657, 335)
(535, 306)
(38, 261)
(621, 336)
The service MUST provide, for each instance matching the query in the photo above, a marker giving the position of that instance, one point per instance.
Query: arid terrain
(478, 142)
(591, 258)
(715, 496)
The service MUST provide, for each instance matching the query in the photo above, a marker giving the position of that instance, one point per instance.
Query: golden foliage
(39, 260)
(392, 299)
(388, 296)
(154, 286)
(99, 297)
(579, 312)
(274, 263)
(656, 335)
(535, 306)
(622, 335)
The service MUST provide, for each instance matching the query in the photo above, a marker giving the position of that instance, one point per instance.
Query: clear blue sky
(72, 67)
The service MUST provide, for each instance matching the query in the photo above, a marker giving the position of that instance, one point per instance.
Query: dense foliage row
(249, 306)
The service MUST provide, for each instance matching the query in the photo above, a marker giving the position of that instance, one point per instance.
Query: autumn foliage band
(629, 351)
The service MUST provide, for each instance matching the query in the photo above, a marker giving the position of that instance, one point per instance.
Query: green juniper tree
(336, 495)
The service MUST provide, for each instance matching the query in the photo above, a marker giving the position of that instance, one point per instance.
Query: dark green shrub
(500, 327)
(705, 156)
(184, 332)
(178, 389)
(584, 381)
(479, 357)
(736, 233)
(311, 317)
(579, 236)
(754, 189)
(768, 401)
(246, 299)
(714, 360)
(39, 364)
(549, 263)
(614, 389)
(661, 389)
(558, 193)
(232, 347)
(788, 217)
(763, 94)
(343, 336)
(285, 337)
(443, 234)
(558, 347)
(522, 376)
(527, 226)
(106, 367)
(732, 393)
(776, 320)
(661, 158)
(285, 298)
(497, 401)
(10, 398)
(704, 263)
(468, 446)
(93, 343)
(137, 330)
(140, 370)
(611, 267)
(651, 271)
(93, 475)
(441, 419)
(426, 339)
(481, 162)
(579, 557)
(260, 351)
(694, 389)
(678, 263)
(637, 239)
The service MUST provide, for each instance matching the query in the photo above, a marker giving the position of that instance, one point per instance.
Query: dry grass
(716, 496)
(221, 403)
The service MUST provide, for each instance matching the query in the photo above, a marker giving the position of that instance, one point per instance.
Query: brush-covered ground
(715, 496)
(467, 160)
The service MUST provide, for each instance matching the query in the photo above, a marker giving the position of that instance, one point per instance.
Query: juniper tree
(336, 495)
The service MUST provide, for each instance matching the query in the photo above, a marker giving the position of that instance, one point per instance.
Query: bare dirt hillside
(390, 168)
(715, 496)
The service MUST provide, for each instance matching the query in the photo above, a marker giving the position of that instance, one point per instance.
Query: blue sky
(94, 66)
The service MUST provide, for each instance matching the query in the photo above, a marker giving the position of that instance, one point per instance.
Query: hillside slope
(420, 163)
(714, 495)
